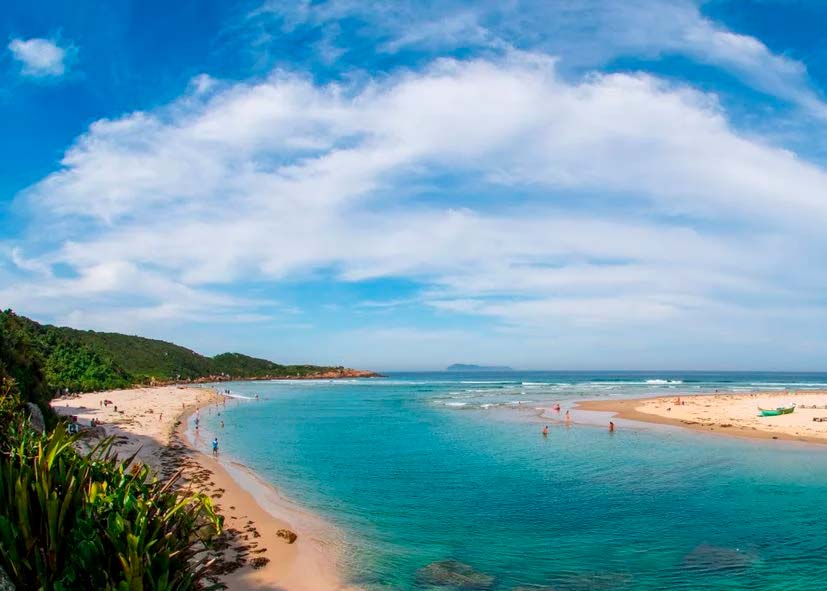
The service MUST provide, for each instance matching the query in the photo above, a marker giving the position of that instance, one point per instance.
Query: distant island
(472, 367)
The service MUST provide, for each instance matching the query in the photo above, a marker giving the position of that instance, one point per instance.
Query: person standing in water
(611, 427)
(215, 446)
(545, 431)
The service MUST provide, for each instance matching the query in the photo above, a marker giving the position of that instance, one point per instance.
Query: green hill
(141, 357)
(83, 360)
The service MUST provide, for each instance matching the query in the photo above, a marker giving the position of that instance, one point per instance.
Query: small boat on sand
(774, 412)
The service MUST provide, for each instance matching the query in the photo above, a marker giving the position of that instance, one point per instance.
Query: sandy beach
(256, 553)
(728, 414)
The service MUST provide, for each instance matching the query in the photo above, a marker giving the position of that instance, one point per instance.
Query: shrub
(70, 521)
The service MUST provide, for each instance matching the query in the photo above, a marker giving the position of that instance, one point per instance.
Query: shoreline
(252, 555)
(308, 564)
(726, 413)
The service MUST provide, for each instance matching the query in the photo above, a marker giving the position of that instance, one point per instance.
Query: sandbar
(734, 414)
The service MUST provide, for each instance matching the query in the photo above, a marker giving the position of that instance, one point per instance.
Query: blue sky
(404, 185)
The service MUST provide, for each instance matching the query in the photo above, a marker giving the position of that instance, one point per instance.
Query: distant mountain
(83, 360)
(472, 367)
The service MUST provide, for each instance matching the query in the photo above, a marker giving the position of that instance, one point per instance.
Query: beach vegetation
(71, 520)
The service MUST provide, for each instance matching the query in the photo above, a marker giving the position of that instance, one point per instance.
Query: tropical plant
(72, 521)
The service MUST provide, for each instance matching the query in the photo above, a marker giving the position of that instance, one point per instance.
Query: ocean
(439, 480)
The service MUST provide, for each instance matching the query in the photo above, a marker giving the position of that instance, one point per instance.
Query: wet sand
(254, 552)
(727, 413)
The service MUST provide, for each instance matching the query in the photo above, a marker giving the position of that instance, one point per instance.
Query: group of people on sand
(556, 408)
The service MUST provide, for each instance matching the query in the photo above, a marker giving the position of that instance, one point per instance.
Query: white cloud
(283, 143)
(589, 33)
(651, 28)
(455, 30)
(39, 57)
(753, 61)
(640, 207)
(202, 83)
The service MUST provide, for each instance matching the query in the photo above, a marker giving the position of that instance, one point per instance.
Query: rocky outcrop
(708, 557)
(36, 417)
(342, 372)
(452, 573)
(337, 373)
(288, 535)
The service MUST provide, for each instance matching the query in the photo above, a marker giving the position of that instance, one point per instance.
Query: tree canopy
(48, 358)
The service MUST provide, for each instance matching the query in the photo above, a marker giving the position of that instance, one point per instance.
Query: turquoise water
(418, 468)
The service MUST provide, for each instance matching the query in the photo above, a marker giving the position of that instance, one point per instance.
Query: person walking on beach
(568, 417)
(215, 446)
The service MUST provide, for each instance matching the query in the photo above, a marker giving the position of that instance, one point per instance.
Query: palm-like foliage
(72, 521)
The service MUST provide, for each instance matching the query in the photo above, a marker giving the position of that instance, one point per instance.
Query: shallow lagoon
(410, 476)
